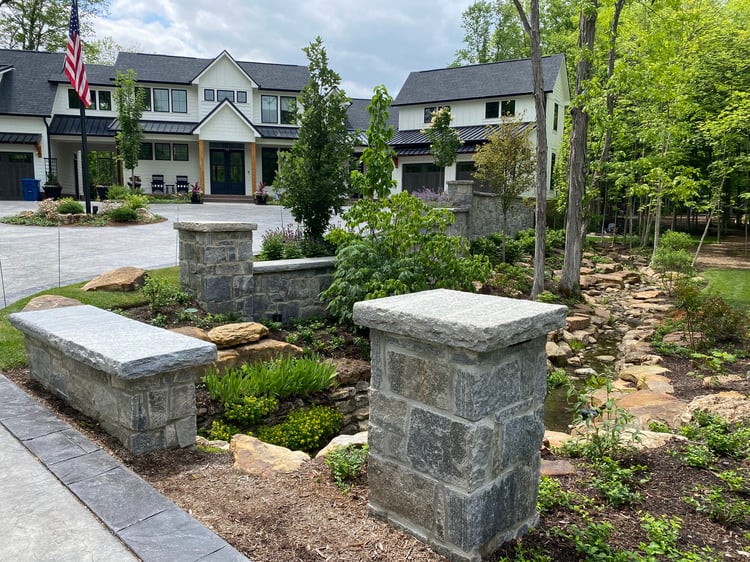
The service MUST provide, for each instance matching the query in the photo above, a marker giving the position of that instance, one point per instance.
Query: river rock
(256, 458)
(120, 279)
(238, 333)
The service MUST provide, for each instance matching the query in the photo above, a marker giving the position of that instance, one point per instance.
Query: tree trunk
(574, 231)
(532, 29)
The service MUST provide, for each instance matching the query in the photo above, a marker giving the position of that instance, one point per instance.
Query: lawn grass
(12, 352)
(732, 284)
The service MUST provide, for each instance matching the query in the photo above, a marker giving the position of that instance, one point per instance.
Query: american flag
(74, 68)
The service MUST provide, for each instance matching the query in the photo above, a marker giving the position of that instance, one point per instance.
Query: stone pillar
(460, 192)
(456, 415)
(216, 265)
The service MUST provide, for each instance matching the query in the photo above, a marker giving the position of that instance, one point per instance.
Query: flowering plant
(261, 189)
(196, 187)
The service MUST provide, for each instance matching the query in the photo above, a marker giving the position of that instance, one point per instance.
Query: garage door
(13, 167)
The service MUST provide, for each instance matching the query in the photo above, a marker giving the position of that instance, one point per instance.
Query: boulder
(193, 332)
(732, 406)
(216, 443)
(351, 371)
(256, 458)
(45, 302)
(121, 279)
(556, 354)
(578, 322)
(553, 439)
(343, 441)
(238, 333)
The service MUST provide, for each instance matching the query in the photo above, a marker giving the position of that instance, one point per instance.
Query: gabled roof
(26, 89)
(491, 80)
(226, 104)
(168, 69)
(224, 55)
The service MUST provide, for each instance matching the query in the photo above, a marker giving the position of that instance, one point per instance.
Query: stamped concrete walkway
(62, 498)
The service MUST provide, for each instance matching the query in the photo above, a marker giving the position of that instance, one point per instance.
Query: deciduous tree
(314, 173)
(130, 103)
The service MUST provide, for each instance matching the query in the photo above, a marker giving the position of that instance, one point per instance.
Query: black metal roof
(414, 142)
(70, 125)
(161, 127)
(20, 138)
(497, 79)
(273, 132)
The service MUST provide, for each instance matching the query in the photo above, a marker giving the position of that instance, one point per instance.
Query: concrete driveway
(33, 258)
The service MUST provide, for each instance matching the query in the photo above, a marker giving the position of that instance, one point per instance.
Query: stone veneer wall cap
(216, 226)
(468, 320)
(273, 266)
(112, 343)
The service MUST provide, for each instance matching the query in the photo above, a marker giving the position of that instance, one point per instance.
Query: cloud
(368, 43)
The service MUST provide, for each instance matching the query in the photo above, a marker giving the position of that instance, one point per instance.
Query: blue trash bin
(30, 189)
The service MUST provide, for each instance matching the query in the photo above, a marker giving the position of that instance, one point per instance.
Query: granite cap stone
(113, 343)
(216, 226)
(477, 322)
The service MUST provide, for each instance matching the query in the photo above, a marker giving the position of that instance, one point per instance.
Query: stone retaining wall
(288, 289)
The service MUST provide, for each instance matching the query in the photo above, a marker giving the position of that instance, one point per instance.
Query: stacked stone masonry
(137, 380)
(216, 265)
(457, 392)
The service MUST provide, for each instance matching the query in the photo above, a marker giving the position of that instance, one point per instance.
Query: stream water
(558, 412)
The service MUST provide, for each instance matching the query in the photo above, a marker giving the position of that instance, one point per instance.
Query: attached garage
(13, 167)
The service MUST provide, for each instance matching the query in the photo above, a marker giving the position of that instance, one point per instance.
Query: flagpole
(85, 161)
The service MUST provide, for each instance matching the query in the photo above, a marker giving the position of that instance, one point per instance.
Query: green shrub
(671, 260)
(136, 201)
(395, 246)
(160, 293)
(714, 502)
(720, 322)
(305, 430)
(674, 241)
(69, 206)
(123, 214)
(228, 389)
(118, 192)
(222, 431)
(250, 410)
(616, 483)
(346, 464)
(557, 378)
(272, 245)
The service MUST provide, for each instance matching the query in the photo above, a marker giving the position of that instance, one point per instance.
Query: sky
(368, 42)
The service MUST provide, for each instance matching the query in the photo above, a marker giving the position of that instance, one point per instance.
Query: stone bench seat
(136, 379)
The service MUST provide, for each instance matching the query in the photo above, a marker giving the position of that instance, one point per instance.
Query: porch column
(201, 166)
(253, 167)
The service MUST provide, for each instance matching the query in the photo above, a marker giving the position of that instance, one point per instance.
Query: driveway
(34, 258)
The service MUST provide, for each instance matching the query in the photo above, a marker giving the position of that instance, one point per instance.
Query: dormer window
(222, 95)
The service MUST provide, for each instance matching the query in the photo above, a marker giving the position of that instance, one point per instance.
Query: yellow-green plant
(305, 430)
(346, 464)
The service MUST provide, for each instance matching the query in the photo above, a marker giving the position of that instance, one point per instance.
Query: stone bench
(137, 380)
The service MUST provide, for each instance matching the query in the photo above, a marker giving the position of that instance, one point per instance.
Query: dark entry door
(227, 171)
(13, 167)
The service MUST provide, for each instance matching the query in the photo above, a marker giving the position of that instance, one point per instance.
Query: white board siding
(224, 75)
(464, 113)
(226, 126)
(30, 125)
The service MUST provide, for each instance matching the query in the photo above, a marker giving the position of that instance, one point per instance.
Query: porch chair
(157, 182)
(181, 184)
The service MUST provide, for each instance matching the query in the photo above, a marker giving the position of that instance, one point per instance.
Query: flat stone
(553, 439)
(721, 380)
(256, 458)
(608, 280)
(605, 358)
(343, 441)
(647, 406)
(557, 468)
(45, 302)
(647, 294)
(459, 319)
(578, 322)
(655, 383)
(238, 333)
(619, 389)
(649, 439)
(733, 406)
(193, 332)
(636, 373)
(120, 279)
(214, 443)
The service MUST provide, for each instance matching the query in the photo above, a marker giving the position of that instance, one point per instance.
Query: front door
(227, 171)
